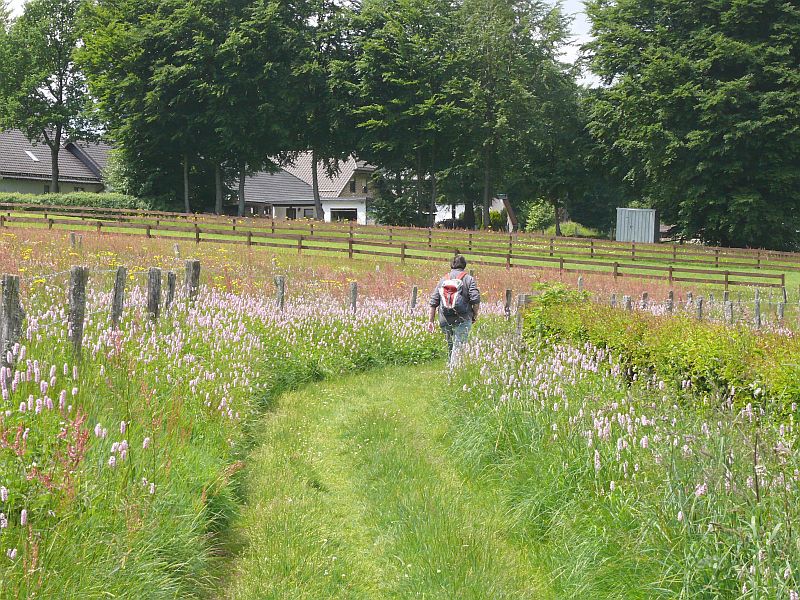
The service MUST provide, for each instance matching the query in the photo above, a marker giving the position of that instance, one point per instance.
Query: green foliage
(718, 359)
(498, 220)
(538, 216)
(87, 199)
(572, 229)
(700, 112)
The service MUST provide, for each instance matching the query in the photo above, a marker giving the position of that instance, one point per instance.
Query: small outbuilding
(638, 225)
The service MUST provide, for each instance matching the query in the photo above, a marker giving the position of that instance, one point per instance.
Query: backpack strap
(461, 275)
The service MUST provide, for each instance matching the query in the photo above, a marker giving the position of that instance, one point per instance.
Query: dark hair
(458, 262)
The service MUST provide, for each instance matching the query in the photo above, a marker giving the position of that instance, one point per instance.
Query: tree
(504, 50)
(701, 114)
(46, 95)
(403, 64)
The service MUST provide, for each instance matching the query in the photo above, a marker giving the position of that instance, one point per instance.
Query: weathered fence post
(757, 311)
(627, 303)
(580, 283)
(118, 296)
(507, 305)
(670, 301)
(613, 301)
(689, 299)
(353, 295)
(75, 240)
(11, 314)
(154, 293)
(78, 276)
(785, 295)
(645, 299)
(172, 280)
(699, 304)
(403, 253)
(729, 312)
(192, 278)
(280, 291)
(413, 302)
(176, 250)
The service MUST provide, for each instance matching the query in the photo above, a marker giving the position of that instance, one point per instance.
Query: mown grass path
(351, 495)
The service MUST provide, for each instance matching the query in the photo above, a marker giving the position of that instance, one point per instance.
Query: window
(308, 213)
(46, 189)
(344, 215)
(291, 212)
(353, 186)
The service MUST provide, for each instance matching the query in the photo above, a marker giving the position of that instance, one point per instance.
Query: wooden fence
(525, 251)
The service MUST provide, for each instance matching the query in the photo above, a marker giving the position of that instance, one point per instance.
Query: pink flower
(146, 443)
(700, 490)
(3, 494)
(112, 461)
(680, 516)
(122, 427)
(11, 553)
(23, 517)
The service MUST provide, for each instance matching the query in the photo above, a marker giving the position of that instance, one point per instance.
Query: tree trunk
(55, 146)
(558, 219)
(433, 200)
(469, 213)
(453, 214)
(218, 188)
(319, 213)
(186, 205)
(420, 202)
(242, 176)
(487, 192)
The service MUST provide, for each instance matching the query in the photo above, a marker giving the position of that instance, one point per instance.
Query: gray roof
(16, 161)
(277, 188)
(329, 187)
(93, 154)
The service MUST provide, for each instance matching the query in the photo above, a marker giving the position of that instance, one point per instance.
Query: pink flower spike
(23, 517)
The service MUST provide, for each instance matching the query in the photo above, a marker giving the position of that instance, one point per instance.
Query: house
(288, 193)
(26, 168)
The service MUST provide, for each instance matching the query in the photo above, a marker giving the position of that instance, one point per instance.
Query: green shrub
(538, 216)
(719, 360)
(497, 220)
(87, 199)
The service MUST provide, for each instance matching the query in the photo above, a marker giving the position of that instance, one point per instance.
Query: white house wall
(360, 206)
(27, 186)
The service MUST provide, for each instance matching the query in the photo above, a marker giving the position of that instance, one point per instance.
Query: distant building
(26, 168)
(445, 216)
(288, 193)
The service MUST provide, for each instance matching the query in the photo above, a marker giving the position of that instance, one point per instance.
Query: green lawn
(351, 494)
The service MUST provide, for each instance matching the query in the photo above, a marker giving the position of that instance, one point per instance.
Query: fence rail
(510, 250)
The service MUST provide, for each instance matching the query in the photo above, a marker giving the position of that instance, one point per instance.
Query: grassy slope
(351, 496)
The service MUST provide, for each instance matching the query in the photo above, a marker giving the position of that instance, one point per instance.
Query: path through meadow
(351, 495)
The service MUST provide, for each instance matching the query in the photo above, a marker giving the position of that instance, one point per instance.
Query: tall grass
(628, 485)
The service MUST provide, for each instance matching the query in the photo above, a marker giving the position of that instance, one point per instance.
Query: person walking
(457, 299)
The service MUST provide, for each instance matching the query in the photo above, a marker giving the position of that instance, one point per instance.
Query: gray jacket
(470, 289)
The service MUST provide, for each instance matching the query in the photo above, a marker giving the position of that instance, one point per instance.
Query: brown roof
(329, 187)
(20, 159)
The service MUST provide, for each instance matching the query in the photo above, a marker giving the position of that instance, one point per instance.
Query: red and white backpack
(454, 297)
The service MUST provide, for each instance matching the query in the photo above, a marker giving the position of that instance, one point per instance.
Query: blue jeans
(457, 335)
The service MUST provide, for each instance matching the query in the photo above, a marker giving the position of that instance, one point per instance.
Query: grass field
(234, 450)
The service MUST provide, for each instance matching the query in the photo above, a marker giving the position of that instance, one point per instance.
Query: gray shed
(638, 225)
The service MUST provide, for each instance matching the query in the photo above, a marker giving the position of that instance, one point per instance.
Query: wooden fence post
(633, 251)
(626, 302)
(689, 299)
(196, 234)
(172, 280)
(671, 274)
(413, 302)
(353, 295)
(645, 299)
(78, 276)
(613, 301)
(699, 313)
(280, 291)
(176, 250)
(729, 312)
(430, 237)
(192, 278)
(403, 253)
(757, 311)
(580, 283)
(118, 296)
(551, 246)
(470, 242)
(616, 270)
(12, 316)
(726, 295)
(350, 248)
(154, 293)
(781, 311)
(670, 301)
(785, 294)
(300, 245)
(507, 305)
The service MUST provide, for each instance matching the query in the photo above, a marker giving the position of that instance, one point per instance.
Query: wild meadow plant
(626, 484)
(118, 466)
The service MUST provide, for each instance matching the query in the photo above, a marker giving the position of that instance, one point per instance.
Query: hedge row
(717, 360)
(87, 199)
